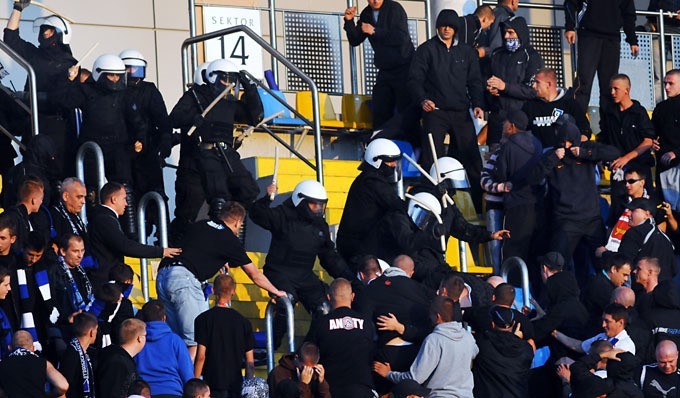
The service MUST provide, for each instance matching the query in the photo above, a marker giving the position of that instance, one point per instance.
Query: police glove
(20, 5)
(441, 189)
(165, 146)
(438, 230)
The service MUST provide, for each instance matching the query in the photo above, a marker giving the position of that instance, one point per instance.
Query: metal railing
(80, 168)
(141, 229)
(659, 15)
(316, 123)
(32, 88)
(269, 325)
(511, 263)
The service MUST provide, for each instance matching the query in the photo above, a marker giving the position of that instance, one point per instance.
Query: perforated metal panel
(548, 42)
(313, 45)
(640, 70)
(370, 71)
(675, 50)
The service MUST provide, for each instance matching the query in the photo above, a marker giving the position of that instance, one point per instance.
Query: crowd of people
(396, 319)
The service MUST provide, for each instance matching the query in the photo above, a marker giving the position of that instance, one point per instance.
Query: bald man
(345, 341)
(661, 379)
(24, 374)
(637, 329)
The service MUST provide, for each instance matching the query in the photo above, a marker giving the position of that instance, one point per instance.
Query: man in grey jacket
(449, 347)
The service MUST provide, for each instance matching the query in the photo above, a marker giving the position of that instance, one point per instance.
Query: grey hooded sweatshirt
(443, 362)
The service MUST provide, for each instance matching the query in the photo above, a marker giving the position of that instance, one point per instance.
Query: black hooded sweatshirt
(501, 368)
(660, 310)
(515, 68)
(542, 114)
(564, 311)
(516, 159)
(647, 240)
(449, 77)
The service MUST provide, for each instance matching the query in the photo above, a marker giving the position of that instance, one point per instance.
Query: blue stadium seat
(407, 169)
(272, 105)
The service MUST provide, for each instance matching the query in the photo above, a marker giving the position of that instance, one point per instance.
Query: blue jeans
(181, 293)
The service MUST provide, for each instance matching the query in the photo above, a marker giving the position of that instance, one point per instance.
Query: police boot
(129, 218)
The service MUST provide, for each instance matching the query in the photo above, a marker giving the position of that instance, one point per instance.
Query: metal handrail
(269, 325)
(512, 262)
(141, 229)
(80, 168)
(32, 89)
(186, 77)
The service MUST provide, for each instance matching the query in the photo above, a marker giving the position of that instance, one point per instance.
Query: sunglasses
(633, 181)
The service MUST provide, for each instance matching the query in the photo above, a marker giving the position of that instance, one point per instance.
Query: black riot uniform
(209, 166)
(146, 168)
(370, 197)
(50, 61)
(298, 238)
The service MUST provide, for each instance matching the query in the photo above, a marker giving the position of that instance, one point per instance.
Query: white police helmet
(199, 72)
(220, 66)
(452, 172)
(60, 25)
(134, 60)
(421, 215)
(109, 64)
(310, 190)
(380, 150)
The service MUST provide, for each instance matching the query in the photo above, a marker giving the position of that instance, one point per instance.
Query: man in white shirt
(614, 320)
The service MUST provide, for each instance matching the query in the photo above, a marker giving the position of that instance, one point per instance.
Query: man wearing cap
(502, 367)
(645, 239)
(512, 68)
(575, 213)
(516, 159)
(445, 80)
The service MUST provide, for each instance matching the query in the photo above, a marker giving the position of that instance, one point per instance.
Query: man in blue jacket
(164, 362)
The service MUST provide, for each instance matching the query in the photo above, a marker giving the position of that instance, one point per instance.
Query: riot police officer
(146, 168)
(372, 195)
(210, 169)
(111, 119)
(52, 62)
(300, 234)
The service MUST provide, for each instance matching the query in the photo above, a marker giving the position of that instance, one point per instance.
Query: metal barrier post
(269, 326)
(272, 37)
(462, 255)
(512, 262)
(31, 84)
(141, 229)
(80, 168)
(662, 43)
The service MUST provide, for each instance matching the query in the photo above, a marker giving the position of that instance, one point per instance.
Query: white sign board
(236, 47)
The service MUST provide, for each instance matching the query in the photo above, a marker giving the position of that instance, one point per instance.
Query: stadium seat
(407, 169)
(303, 104)
(272, 106)
(356, 112)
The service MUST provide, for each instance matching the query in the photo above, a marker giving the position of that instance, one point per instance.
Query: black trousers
(525, 223)
(400, 359)
(462, 146)
(389, 95)
(595, 54)
(566, 236)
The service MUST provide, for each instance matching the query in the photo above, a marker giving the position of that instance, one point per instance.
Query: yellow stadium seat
(303, 103)
(356, 113)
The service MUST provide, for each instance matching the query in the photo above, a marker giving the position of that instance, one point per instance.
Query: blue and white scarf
(85, 368)
(77, 300)
(27, 302)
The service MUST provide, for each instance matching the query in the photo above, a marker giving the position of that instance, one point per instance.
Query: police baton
(13, 138)
(43, 6)
(426, 175)
(87, 54)
(212, 105)
(422, 204)
(275, 177)
(250, 129)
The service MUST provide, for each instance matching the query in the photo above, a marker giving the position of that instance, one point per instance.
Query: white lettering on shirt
(347, 323)
(542, 121)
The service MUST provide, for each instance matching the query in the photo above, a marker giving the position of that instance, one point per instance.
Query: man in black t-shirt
(116, 370)
(208, 247)
(660, 379)
(345, 340)
(224, 339)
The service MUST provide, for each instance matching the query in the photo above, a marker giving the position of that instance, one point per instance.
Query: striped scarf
(77, 300)
(85, 369)
(27, 302)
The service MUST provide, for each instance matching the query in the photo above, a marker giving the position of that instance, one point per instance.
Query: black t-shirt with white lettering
(227, 336)
(656, 384)
(207, 247)
(346, 343)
